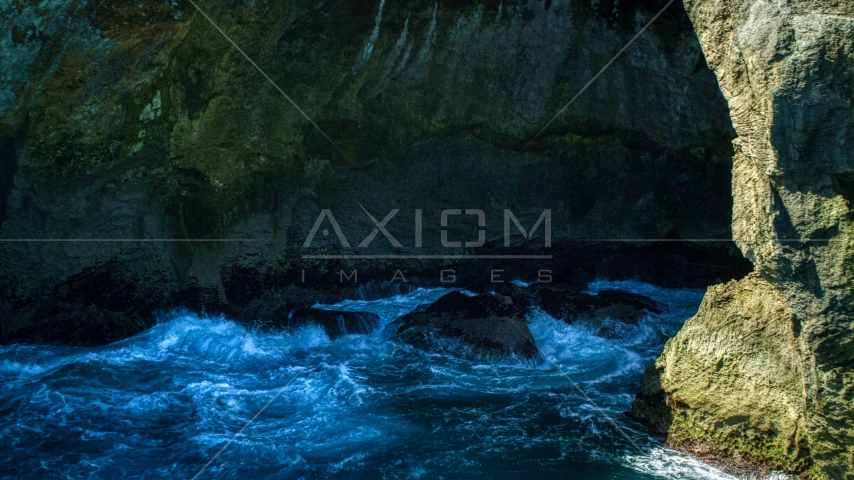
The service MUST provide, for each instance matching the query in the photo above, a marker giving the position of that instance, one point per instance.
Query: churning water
(161, 404)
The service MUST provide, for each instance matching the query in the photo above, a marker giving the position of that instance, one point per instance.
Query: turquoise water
(161, 404)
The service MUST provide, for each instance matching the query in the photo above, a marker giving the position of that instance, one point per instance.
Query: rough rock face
(733, 379)
(764, 374)
(138, 121)
(483, 327)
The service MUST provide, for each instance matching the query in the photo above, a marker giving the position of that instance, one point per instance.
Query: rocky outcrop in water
(335, 323)
(139, 122)
(602, 311)
(568, 305)
(482, 327)
(763, 375)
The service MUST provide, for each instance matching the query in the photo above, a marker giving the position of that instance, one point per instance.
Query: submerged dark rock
(566, 303)
(618, 305)
(482, 327)
(335, 323)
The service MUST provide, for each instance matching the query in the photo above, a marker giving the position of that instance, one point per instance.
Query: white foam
(665, 463)
(19, 369)
(368, 400)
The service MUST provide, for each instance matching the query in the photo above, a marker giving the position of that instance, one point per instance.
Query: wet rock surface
(482, 327)
(572, 306)
(335, 323)
(569, 303)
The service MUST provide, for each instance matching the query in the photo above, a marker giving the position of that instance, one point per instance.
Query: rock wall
(763, 376)
(128, 120)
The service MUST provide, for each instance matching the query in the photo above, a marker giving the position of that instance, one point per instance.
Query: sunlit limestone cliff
(763, 375)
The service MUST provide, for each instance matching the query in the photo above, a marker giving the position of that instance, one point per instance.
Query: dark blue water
(161, 404)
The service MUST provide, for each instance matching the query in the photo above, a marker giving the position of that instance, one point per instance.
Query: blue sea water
(163, 403)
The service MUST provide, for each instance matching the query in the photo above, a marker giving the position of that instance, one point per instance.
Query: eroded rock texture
(138, 120)
(763, 375)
